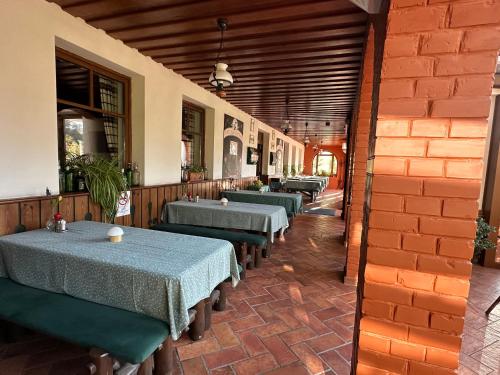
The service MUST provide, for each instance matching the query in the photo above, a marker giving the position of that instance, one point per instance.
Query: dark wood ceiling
(308, 51)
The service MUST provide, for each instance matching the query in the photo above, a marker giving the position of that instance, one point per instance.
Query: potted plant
(196, 173)
(293, 172)
(285, 171)
(256, 185)
(482, 243)
(104, 180)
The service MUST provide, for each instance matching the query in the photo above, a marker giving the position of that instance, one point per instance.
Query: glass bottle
(80, 182)
(61, 180)
(136, 175)
(128, 174)
(68, 180)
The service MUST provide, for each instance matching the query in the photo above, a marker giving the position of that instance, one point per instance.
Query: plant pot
(196, 176)
(489, 258)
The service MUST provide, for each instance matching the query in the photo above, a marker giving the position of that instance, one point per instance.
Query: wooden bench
(118, 339)
(248, 246)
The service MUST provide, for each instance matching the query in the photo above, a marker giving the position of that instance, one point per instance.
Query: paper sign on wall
(123, 207)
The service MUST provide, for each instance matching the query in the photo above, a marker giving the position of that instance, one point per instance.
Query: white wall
(29, 32)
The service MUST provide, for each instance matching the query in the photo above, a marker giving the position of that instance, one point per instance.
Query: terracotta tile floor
(292, 316)
(481, 342)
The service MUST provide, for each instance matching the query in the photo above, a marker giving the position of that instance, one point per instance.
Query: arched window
(325, 164)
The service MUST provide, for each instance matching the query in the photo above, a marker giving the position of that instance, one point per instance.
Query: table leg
(243, 260)
(267, 252)
(146, 367)
(102, 363)
(197, 328)
(252, 254)
(258, 256)
(220, 305)
(165, 358)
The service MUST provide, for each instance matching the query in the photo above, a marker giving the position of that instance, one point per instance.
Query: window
(92, 109)
(193, 135)
(325, 164)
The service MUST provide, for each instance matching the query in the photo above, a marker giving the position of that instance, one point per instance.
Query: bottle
(128, 174)
(80, 182)
(68, 180)
(136, 175)
(61, 180)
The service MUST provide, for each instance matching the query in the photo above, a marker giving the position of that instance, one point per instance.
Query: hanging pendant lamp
(306, 137)
(220, 78)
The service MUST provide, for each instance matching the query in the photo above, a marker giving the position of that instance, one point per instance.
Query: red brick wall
(336, 182)
(434, 99)
(359, 168)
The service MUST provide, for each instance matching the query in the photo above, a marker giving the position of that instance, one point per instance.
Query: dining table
(292, 202)
(158, 274)
(263, 218)
(309, 187)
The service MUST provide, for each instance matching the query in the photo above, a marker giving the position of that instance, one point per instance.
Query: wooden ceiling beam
(327, 26)
(280, 64)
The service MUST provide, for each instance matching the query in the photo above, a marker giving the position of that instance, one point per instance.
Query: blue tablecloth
(291, 202)
(150, 272)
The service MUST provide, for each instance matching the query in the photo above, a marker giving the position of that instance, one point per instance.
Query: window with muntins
(325, 164)
(92, 109)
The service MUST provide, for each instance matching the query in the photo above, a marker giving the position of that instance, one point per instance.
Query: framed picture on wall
(232, 147)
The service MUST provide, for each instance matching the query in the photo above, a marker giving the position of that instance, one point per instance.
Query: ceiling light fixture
(220, 78)
(286, 127)
(306, 137)
(315, 147)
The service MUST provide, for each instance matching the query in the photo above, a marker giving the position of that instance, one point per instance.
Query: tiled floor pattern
(481, 342)
(292, 316)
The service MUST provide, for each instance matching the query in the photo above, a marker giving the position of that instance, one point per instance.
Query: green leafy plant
(285, 171)
(196, 169)
(482, 242)
(293, 171)
(104, 180)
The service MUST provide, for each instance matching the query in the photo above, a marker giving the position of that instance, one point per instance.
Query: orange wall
(336, 182)
(437, 76)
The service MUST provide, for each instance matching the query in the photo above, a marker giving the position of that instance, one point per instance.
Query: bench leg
(146, 367)
(197, 328)
(252, 254)
(165, 358)
(493, 305)
(102, 363)
(220, 305)
(258, 257)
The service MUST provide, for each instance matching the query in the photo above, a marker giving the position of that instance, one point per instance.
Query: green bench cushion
(126, 335)
(249, 238)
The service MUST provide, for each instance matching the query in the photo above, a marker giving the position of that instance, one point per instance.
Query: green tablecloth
(323, 180)
(255, 188)
(150, 272)
(236, 215)
(291, 202)
(304, 185)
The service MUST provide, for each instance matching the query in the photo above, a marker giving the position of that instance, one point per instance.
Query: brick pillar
(437, 76)
(360, 140)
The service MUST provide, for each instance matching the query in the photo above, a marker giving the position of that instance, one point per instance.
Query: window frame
(316, 160)
(99, 69)
(201, 110)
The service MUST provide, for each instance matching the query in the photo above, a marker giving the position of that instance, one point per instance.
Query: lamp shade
(220, 76)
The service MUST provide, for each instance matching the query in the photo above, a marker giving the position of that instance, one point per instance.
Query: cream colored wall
(29, 32)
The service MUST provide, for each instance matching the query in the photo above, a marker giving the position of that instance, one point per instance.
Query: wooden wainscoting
(146, 205)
